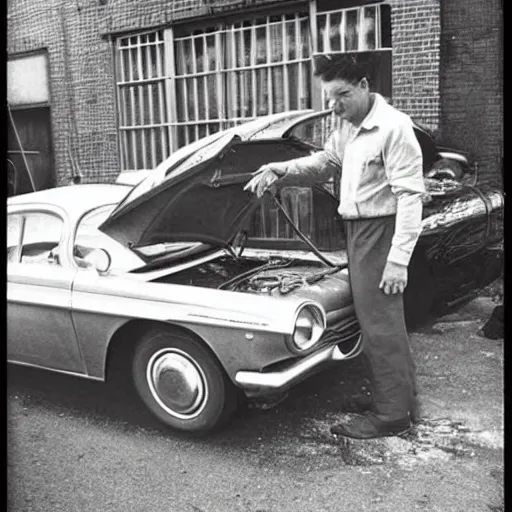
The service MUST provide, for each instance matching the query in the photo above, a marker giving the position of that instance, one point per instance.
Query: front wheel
(181, 382)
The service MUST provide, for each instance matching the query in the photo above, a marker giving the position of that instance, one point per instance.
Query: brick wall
(83, 92)
(84, 130)
(471, 78)
(415, 40)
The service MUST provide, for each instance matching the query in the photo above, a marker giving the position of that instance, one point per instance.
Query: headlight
(309, 327)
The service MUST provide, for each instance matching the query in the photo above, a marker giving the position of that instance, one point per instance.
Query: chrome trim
(56, 370)
(453, 156)
(189, 389)
(316, 312)
(296, 372)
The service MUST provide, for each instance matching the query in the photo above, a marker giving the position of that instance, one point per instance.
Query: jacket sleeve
(404, 169)
(318, 167)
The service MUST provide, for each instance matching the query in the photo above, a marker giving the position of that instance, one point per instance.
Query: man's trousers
(381, 317)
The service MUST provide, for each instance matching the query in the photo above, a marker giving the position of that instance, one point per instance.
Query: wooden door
(33, 126)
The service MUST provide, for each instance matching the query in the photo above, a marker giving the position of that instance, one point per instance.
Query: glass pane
(305, 40)
(136, 106)
(276, 42)
(322, 34)
(42, 228)
(278, 89)
(213, 106)
(244, 84)
(136, 65)
(126, 69)
(351, 30)
(88, 237)
(293, 85)
(240, 48)
(261, 46)
(199, 49)
(146, 111)
(13, 230)
(212, 53)
(262, 92)
(158, 107)
(368, 27)
(335, 32)
(291, 40)
(181, 103)
(181, 57)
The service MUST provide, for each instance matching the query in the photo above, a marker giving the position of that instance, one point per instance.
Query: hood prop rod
(302, 236)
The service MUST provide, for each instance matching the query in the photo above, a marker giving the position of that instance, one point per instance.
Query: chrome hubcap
(177, 383)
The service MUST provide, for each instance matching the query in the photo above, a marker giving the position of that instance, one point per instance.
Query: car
(213, 295)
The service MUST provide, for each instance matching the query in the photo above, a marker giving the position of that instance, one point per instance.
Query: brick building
(119, 84)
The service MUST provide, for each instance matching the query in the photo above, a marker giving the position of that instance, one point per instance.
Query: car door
(39, 325)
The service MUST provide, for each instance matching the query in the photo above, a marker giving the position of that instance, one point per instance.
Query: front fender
(243, 330)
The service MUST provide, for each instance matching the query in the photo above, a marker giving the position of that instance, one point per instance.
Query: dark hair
(339, 66)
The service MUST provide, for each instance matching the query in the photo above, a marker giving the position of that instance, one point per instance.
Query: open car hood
(205, 204)
(194, 196)
(197, 196)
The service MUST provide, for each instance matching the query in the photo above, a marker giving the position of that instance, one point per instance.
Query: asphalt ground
(75, 445)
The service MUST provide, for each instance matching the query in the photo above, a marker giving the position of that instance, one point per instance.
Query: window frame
(134, 151)
(46, 209)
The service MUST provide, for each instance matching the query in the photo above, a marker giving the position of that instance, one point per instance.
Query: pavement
(75, 445)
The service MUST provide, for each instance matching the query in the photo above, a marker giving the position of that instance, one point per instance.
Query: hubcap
(177, 383)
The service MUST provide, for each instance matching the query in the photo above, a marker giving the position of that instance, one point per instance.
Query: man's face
(348, 101)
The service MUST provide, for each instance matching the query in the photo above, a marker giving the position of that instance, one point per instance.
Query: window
(89, 238)
(27, 80)
(347, 30)
(37, 234)
(143, 102)
(14, 223)
(178, 85)
(359, 29)
(239, 72)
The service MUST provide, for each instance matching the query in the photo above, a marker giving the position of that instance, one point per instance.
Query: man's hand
(265, 177)
(394, 278)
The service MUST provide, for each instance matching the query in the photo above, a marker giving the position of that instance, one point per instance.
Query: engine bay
(252, 275)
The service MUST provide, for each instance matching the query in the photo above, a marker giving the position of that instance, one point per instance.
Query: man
(380, 162)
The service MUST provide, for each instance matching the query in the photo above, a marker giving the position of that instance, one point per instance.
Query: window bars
(240, 71)
(142, 99)
(348, 30)
(174, 89)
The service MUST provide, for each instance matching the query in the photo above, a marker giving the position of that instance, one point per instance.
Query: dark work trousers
(381, 317)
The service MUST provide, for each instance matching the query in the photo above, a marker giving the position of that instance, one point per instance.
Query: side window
(14, 225)
(41, 237)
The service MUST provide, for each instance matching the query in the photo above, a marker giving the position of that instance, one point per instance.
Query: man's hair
(339, 67)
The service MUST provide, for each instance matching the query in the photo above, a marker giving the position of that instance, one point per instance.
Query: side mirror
(99, 259)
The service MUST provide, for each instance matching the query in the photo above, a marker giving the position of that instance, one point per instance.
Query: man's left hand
(394, 278)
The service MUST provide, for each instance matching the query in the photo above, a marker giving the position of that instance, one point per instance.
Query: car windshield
(89, 237)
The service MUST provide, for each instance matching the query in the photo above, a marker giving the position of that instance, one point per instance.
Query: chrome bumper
(261, 383)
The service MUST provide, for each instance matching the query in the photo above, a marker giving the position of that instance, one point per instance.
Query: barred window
(177, 85)
(239, 72)
(142, 99)
(348, 30)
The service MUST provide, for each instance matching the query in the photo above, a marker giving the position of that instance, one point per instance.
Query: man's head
(346, 86)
